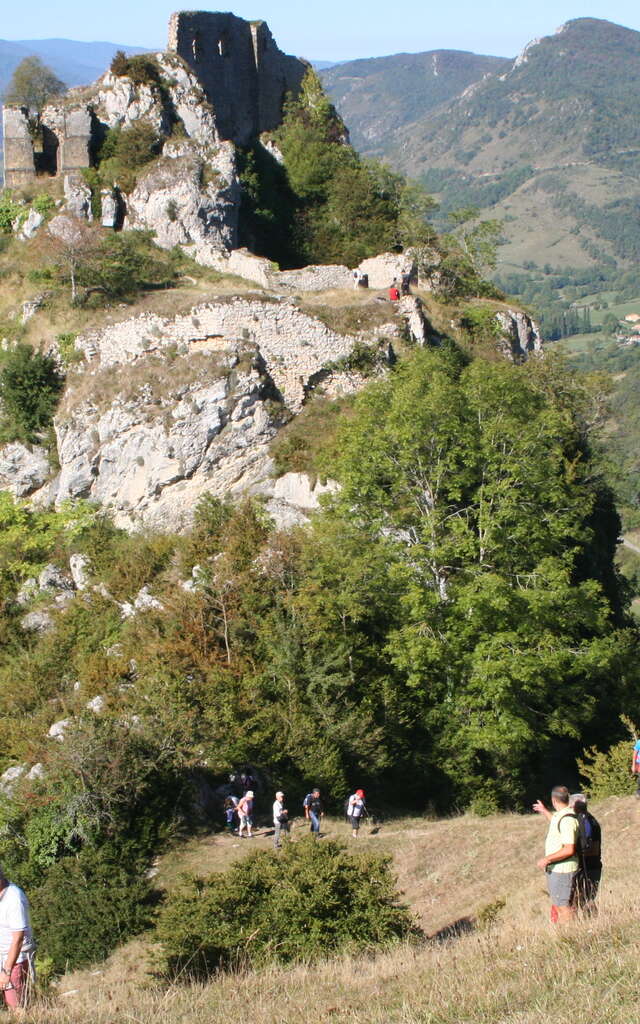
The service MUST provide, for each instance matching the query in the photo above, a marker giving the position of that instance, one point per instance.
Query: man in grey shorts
(560, 859)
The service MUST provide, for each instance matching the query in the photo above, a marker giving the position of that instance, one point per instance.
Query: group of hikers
(572, 863)
(312, 806)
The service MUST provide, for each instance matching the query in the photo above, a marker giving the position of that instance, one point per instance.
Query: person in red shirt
(394, 294)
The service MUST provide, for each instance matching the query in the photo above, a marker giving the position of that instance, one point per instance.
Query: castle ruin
(238, 64)
(242, 72)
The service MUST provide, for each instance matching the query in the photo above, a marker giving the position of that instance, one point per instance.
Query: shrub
(124, 151)
(479, 324)
(30, 387)
(69, 354)
(10, 211)
(310, 900)
(607, 773)
(142, 69)
(89, 905)
(44, 204)
(124, 264)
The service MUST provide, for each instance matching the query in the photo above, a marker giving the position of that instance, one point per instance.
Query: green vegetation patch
(310, 900)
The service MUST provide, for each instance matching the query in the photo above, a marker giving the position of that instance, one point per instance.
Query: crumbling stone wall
(294, 346)
(66, 141)
(243, 73)
(19, 166)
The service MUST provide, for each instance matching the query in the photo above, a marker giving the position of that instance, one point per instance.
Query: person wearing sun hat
(245, 814)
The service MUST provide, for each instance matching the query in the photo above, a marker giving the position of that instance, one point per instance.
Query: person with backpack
(245, 814)
(589, 874)
(560, 861)
(356, 810)
(280, 819)
(313, 810)
(635, 766)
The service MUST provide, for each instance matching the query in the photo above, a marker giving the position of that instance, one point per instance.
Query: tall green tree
(32, 85)
(478, 484)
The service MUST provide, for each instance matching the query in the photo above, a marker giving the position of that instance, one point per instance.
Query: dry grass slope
(510, 968)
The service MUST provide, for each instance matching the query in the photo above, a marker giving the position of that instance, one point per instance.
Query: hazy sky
(331, 30)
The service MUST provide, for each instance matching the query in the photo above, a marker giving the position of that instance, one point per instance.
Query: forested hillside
(379, 96)
(435, 614)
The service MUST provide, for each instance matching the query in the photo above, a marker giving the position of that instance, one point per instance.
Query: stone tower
(243, 73)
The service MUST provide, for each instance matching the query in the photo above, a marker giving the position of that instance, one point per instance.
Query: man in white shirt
(17, 947)
(560, 861)
(280, 819)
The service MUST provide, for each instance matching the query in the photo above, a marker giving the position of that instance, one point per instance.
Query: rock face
(149, 456)
(520, 335)
(22, 470)
(191, 198)
(294, 495)
(169, 408)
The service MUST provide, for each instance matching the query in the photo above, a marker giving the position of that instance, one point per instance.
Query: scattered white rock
(31, 307)
(53, 578)
(96, 704)
(36, 772)
(36, 622)
(27, 591)
(109, 208)
(30, 226)
(10, 776)
(79, 566)
(58, 729)
(145, 601)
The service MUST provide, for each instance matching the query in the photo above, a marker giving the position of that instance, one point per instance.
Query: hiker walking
(590, 843)
(635, 766)
(313, 810)
(280, 819)
(356, 810)
(245, 814)
(17, 946)
(394, 294)
(405, 284)
(560, 859)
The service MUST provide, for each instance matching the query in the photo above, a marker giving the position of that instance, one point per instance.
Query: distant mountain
(549, 143)
(378, 96)
(75, 63)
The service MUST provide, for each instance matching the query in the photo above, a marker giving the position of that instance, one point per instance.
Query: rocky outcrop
(293, 496)
(22, 469)
(149, 455)
(519, 335)
(190, 197)
(78, 197)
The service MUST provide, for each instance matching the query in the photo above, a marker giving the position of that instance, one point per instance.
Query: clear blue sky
(330, 30)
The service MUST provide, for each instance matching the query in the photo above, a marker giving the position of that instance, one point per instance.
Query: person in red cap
(356, 809)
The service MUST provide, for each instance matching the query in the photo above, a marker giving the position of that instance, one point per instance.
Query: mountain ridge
(547, 143)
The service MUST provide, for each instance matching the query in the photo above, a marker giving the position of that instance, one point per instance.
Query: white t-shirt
(14, 917)
(356, 806)
(277, 811)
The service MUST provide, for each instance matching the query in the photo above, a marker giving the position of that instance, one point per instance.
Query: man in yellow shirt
(560, 859)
